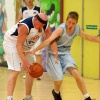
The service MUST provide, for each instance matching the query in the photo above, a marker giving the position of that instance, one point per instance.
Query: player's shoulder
(77, 27)
(23, 8)
(62, 25)
(26, 19)
(36, 8)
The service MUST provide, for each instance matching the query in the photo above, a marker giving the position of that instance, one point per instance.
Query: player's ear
(35, 19)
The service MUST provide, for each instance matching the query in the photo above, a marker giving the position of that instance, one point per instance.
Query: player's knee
(76, 74)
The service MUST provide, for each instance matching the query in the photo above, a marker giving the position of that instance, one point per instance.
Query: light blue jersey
(65, 41)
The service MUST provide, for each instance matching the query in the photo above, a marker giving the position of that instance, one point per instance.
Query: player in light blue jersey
(63, 62)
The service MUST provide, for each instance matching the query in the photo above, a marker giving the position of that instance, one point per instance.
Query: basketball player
(16, 40)
(64, 36)
(28, 11)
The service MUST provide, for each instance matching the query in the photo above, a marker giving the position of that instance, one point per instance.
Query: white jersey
(10, 38)
(26, 12)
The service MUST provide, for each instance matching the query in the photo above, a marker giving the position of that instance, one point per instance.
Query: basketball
(36, 70)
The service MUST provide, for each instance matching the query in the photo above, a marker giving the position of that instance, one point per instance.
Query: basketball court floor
(42, 88)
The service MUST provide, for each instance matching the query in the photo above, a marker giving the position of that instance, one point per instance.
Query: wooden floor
(42, 89)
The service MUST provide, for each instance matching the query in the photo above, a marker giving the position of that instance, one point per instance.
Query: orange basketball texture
(36, 70)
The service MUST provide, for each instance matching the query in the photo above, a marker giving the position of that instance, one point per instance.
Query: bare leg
(38, 60)
(28, 84)
(57, 85)
(12, 82)
(56, 91)
(79, 79)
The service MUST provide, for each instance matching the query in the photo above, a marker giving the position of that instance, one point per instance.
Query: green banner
(95, 27)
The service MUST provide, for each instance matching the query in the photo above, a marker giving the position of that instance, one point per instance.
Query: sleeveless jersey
(65, 41)
(12, 34)
(26, 12)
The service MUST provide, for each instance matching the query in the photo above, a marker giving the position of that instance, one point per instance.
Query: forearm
(54, 48)
(44, 44)
(89, 37)
(20, 53)
(92, 38)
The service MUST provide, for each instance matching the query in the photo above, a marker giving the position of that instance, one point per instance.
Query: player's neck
(30, 6)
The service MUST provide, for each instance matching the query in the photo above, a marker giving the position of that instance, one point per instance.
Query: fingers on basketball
(36, 70)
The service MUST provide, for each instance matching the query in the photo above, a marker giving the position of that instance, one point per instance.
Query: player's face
(37, 24)
(29, 2)
(71, 23)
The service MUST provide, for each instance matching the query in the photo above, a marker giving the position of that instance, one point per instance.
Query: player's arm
(53, 44)
(19, 16)
(89, 37)
(54, 49)
(51, 38)
(22, 34)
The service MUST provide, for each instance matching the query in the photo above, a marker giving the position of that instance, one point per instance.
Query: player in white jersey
(28, 11)
(16, 40)
(64, 36)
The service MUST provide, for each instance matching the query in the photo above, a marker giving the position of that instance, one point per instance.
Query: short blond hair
(73, 14)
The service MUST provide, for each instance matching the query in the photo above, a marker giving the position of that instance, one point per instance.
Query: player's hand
(56, 57)
(25, 65)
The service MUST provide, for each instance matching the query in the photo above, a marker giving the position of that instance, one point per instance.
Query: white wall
(10, 10)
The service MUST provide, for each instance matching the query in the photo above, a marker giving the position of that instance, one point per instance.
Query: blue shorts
(56, 71)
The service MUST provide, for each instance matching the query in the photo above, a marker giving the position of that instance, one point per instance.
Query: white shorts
(56, 71)
(13, 59)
